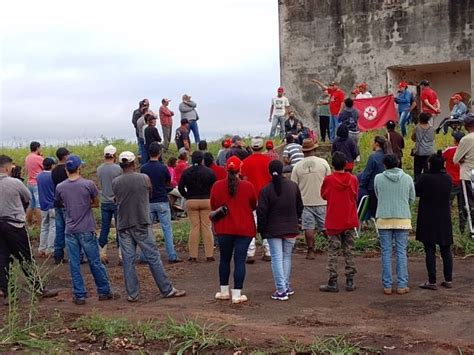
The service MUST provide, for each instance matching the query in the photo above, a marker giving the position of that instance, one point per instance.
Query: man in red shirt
(182, 163)
(336, 105)
(429, 100)
(453, 170)
(166, 121)
(255, 170)
(33, 166)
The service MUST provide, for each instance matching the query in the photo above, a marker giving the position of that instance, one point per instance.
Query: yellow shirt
(393, 223)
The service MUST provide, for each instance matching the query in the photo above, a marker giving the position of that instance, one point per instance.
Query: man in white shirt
(280, 105)
(363, 93)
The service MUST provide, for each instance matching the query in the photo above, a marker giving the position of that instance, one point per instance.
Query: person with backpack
(349, 117)
(346, 146)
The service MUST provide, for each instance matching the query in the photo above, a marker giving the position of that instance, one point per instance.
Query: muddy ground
(419, 322)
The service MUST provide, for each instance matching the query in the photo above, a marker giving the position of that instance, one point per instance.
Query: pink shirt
(33, 166)
(173, 176)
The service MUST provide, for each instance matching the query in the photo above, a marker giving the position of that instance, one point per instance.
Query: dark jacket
(349, 117)
(277, 216)
(196, 183)
(433, 225)
(346, 146)
(374, 166)
(238, 152)
(291, 128)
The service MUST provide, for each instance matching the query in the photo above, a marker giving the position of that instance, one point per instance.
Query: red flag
(375, 112)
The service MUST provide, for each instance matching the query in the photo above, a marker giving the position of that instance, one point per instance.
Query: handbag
(218, 214)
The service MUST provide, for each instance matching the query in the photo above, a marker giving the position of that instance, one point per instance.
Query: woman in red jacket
(234, 230)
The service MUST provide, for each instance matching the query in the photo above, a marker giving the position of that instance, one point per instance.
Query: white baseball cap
(110, 150)
(126, 157)
(257, 143)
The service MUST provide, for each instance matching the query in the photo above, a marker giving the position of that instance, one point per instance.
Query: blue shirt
(374, 166)
(160, 180)
(458, 110)
(46, 190)
(404, 100)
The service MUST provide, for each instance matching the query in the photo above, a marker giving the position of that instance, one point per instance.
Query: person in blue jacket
(367, 176)
(405, 101)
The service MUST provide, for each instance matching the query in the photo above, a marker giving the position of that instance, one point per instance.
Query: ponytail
(276, 170)
(232, 182)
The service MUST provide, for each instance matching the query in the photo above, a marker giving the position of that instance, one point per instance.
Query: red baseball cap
(280, 89)
(362, 85)
(456, 97)
(403, 84)
(227, 143)
(233, 164)
(269, 145)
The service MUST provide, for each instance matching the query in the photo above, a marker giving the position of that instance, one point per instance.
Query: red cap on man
(362, 86)
(269, 145)
(280, 89)
(403, 84)
(227, 143)
(456, 97)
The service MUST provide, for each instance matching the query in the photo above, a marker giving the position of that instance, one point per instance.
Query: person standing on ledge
(188, 111)
(278, 110)
(166, 121)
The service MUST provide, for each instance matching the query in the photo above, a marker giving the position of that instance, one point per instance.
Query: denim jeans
(277, 120)
(400, 237)
(160, 211)
(333, 124)
(129, 239)
(281, 250)
(34, 202)
(59, 241)
(236, 246)
(48, 231)
(405, 117)
(87, 242)
(143, 151)
(193, 127)
(107, 211)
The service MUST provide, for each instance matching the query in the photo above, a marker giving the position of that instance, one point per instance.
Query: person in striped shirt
(292, 154)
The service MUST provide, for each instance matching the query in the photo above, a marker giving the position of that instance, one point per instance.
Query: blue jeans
(405, 118)
(400, 237)
(59, 241)
(160, 211)
(237, 246)
(129, 239)
(281, 250)
(143, 151)
(193, 127)
(277, 120)
(333, 124)
(87, 242)
(107, 211)
(34, 202)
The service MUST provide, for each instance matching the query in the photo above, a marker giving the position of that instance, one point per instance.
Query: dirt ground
(419, 322)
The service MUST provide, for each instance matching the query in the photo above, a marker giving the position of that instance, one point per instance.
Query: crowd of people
(241, 193)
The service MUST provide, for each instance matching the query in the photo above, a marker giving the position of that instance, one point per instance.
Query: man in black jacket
(290, 123)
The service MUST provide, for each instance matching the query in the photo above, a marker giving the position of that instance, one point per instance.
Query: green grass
(330, 345)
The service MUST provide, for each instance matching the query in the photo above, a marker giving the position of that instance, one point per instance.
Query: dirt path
(420, 322)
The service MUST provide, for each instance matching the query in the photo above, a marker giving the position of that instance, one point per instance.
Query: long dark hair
(232, 182)
(276, 169)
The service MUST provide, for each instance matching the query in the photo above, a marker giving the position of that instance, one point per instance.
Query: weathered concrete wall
(357, 40)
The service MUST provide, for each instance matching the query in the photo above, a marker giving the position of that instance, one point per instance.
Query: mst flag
(375, 112)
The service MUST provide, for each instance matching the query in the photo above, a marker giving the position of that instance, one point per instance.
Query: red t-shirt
(219, 171)
(33, 165)
(452, 169)
(336, 98)
(239, 221)
(340, 189)
(181, 166)
(255, 169)
(430, 95)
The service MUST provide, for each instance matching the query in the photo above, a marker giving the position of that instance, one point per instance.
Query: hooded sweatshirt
(395, 192)
(349, 117)
(340, 191)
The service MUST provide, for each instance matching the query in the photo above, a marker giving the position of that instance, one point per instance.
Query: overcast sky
(76, 70)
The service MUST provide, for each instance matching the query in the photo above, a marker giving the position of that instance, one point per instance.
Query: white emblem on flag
(370, 113)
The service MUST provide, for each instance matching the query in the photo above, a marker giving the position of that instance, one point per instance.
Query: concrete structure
(377, 41)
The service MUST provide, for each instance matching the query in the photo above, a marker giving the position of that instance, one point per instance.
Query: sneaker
(387, 291)
(222, 296)
(447, 284)
(428, 286)
(192, 260)
(239, 299)
(280, 296)
(175, 261)
(79, 301)
(45, 293)
(132, 299)
(266, 258)
(403, 290)
(175, 293)
(250, 259)
(110, 296)
(290, 291)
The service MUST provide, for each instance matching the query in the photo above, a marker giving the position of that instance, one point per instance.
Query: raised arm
(319, 83)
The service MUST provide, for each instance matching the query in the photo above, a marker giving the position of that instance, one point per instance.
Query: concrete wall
(357, 40)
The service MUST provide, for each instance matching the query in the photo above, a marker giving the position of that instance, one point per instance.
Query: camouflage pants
(344, 242)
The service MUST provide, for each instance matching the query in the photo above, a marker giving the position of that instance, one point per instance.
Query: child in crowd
(340, 189)
(345, 145)
(397, 143)
(270, 151)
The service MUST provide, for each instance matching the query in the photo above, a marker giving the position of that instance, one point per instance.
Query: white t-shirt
(279, 104)
(365, 95)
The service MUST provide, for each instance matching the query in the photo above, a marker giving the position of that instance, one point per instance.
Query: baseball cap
(73, 162)
(425, 83)
(269, 145)
(110, 150)
(456, 97)
(256, 143)
(458, 135)
(362, 85)
(391, 124)
(233, 164)
(468, 119)
(280, 89)
(227, 143)
(236, 138)
(126, 157)
(402, 84)
(182, 150)
(165, 99)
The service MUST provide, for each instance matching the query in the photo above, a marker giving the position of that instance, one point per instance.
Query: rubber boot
(350, 285)
(223, 294)
(237, 297)
(330, 287)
